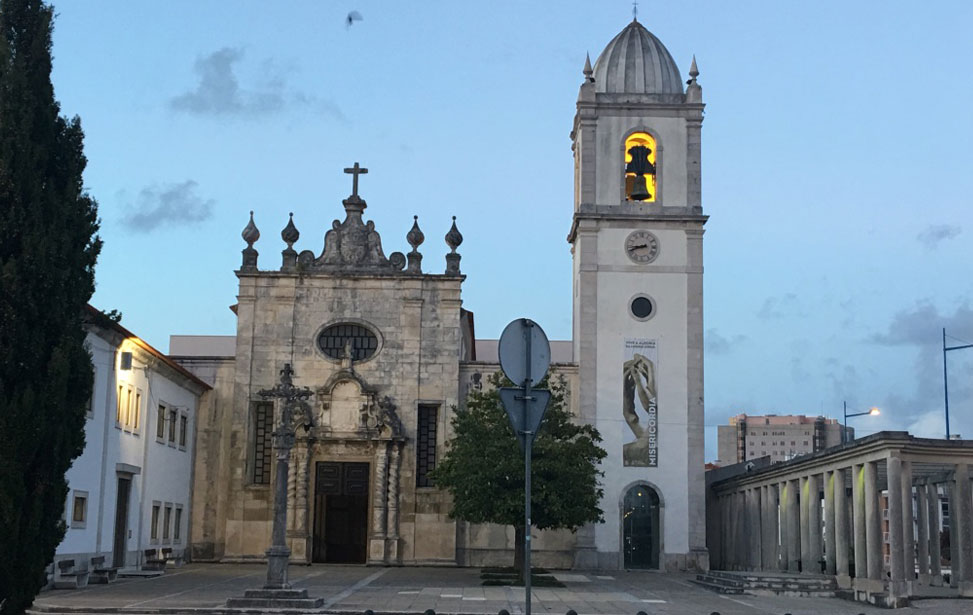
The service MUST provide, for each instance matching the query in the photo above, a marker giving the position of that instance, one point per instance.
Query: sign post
(525, 355)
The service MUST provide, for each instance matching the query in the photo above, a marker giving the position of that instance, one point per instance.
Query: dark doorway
(121, 521)
(340, 513)
(640, 527)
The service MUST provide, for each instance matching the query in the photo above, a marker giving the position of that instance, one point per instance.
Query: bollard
(429, 612)
(369, 612)
(503, 612)
(571, 612)
(641, 613)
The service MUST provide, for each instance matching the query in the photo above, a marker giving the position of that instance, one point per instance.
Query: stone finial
(290, 234)
(588, 71)
(250, 235)
(415, 239)
(453, 240)
(694, 93)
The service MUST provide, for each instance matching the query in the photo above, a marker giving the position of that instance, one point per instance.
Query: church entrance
(340, 512)
(640, 527)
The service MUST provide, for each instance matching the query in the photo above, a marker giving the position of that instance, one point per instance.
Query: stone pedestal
(275, 599)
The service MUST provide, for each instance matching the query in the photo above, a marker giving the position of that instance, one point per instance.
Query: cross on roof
(635, 10)
(355, 171)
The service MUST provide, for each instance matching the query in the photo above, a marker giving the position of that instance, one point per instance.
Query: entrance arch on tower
(641, 526)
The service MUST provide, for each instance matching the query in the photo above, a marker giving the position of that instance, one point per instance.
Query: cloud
(218, 91)
(922, 326)
(934, 234)
(777, 307)
(170, 205)
(718, 344)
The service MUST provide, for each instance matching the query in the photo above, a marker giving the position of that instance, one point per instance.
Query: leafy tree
(48, 249)
(483, 468)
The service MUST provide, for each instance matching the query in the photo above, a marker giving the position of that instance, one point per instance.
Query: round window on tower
(641, 307)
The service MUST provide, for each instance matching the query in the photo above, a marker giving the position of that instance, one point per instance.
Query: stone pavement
(202, 589)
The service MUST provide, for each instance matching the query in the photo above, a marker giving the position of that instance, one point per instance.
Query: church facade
(389, 351)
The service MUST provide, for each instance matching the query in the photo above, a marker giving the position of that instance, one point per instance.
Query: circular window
(642, 307)
(338, 340)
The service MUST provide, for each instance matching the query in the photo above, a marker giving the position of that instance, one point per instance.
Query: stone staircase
(768, 583)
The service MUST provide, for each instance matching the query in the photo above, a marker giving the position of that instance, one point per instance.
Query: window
(263, 427)
(118, 408)
(640, 174)
(154, 530)
(79, 509)
(172, 425)
(183, 425)
(138, 410)
(426, 444)
(160, 425)
(165, 522)
(177, 523)
(128, 407)
(357, 338)
(90, 411)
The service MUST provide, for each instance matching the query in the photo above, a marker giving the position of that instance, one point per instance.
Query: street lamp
(945, 381)
(844, 429)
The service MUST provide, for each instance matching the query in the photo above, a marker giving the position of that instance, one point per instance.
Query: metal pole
(528, 443)
(844, 430)
(945, 385)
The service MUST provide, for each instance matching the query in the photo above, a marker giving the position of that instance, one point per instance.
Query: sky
(836, 170)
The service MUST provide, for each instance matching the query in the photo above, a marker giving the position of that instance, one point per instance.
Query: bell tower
(637, 246)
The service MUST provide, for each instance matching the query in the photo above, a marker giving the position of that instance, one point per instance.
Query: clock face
(642, 246)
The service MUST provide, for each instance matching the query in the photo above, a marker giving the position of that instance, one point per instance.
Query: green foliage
(483, 467)
(48, 249)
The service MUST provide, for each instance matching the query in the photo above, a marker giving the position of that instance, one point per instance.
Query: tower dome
(636, 62)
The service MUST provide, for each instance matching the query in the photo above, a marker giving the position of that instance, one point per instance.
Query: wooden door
(340, 513)
(121, 521)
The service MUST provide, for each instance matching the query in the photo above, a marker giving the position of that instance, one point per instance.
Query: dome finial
(587, 67)
(635, 10)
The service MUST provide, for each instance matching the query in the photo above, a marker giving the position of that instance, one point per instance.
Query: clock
(642, 246)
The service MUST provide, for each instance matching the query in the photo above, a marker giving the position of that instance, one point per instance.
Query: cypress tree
(48, 249)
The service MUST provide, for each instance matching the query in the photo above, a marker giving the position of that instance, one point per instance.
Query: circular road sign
(525, 353)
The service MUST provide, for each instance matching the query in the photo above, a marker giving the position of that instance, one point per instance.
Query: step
(718, 588)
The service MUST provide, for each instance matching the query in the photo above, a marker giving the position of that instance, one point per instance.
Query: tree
(483, 468)
(48, 249)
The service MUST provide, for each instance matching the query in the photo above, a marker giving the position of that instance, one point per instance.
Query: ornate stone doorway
(340, 513)
(641, 527)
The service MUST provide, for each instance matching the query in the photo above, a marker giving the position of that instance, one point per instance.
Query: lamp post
(945, 380)
(844, 429)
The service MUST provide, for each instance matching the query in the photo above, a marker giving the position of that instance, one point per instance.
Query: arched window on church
(640, 167)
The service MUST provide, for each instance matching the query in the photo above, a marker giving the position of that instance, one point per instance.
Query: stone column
(295, 461)
(922, 541)
(376, 545)
(753, 528)
(954, 557)
(964, 525)
(793, 526)
(935, 552)
(805, 526)
(858, 520)
(768, 526)
(693, 164)
(873, 523)
(829, 523)
(908, 526)
(724, 533)
(843, 538)
(301, 503)
(813, 564)
(392, 541)
(896, 530)
(784, 549)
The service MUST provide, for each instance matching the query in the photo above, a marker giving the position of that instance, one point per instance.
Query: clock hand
(634, 248)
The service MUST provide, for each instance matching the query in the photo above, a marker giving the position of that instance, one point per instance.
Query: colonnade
(871, 519)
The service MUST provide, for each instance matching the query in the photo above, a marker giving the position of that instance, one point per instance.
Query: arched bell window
(640, 167)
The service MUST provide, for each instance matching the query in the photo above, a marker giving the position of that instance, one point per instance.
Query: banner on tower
(640, 442)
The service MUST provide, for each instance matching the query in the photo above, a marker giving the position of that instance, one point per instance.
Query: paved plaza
(204, 588)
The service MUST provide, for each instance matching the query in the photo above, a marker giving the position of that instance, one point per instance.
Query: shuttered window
(426, 445)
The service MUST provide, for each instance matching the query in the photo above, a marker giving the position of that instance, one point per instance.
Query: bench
(154, 560)
(69, 576)
(101, 573)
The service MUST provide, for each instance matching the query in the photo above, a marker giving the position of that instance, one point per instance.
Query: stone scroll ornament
(638, 382)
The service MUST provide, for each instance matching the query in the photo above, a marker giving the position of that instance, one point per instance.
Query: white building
(130, 490)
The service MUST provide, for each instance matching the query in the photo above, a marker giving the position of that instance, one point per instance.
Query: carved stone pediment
(352, 246)
(348, 408)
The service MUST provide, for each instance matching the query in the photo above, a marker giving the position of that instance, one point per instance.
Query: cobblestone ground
(204, 588)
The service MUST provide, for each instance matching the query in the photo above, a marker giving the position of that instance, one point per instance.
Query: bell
(639, 190)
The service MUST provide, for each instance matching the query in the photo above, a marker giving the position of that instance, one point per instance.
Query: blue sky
(836, 170)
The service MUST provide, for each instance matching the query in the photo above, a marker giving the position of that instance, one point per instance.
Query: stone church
(387, 348)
